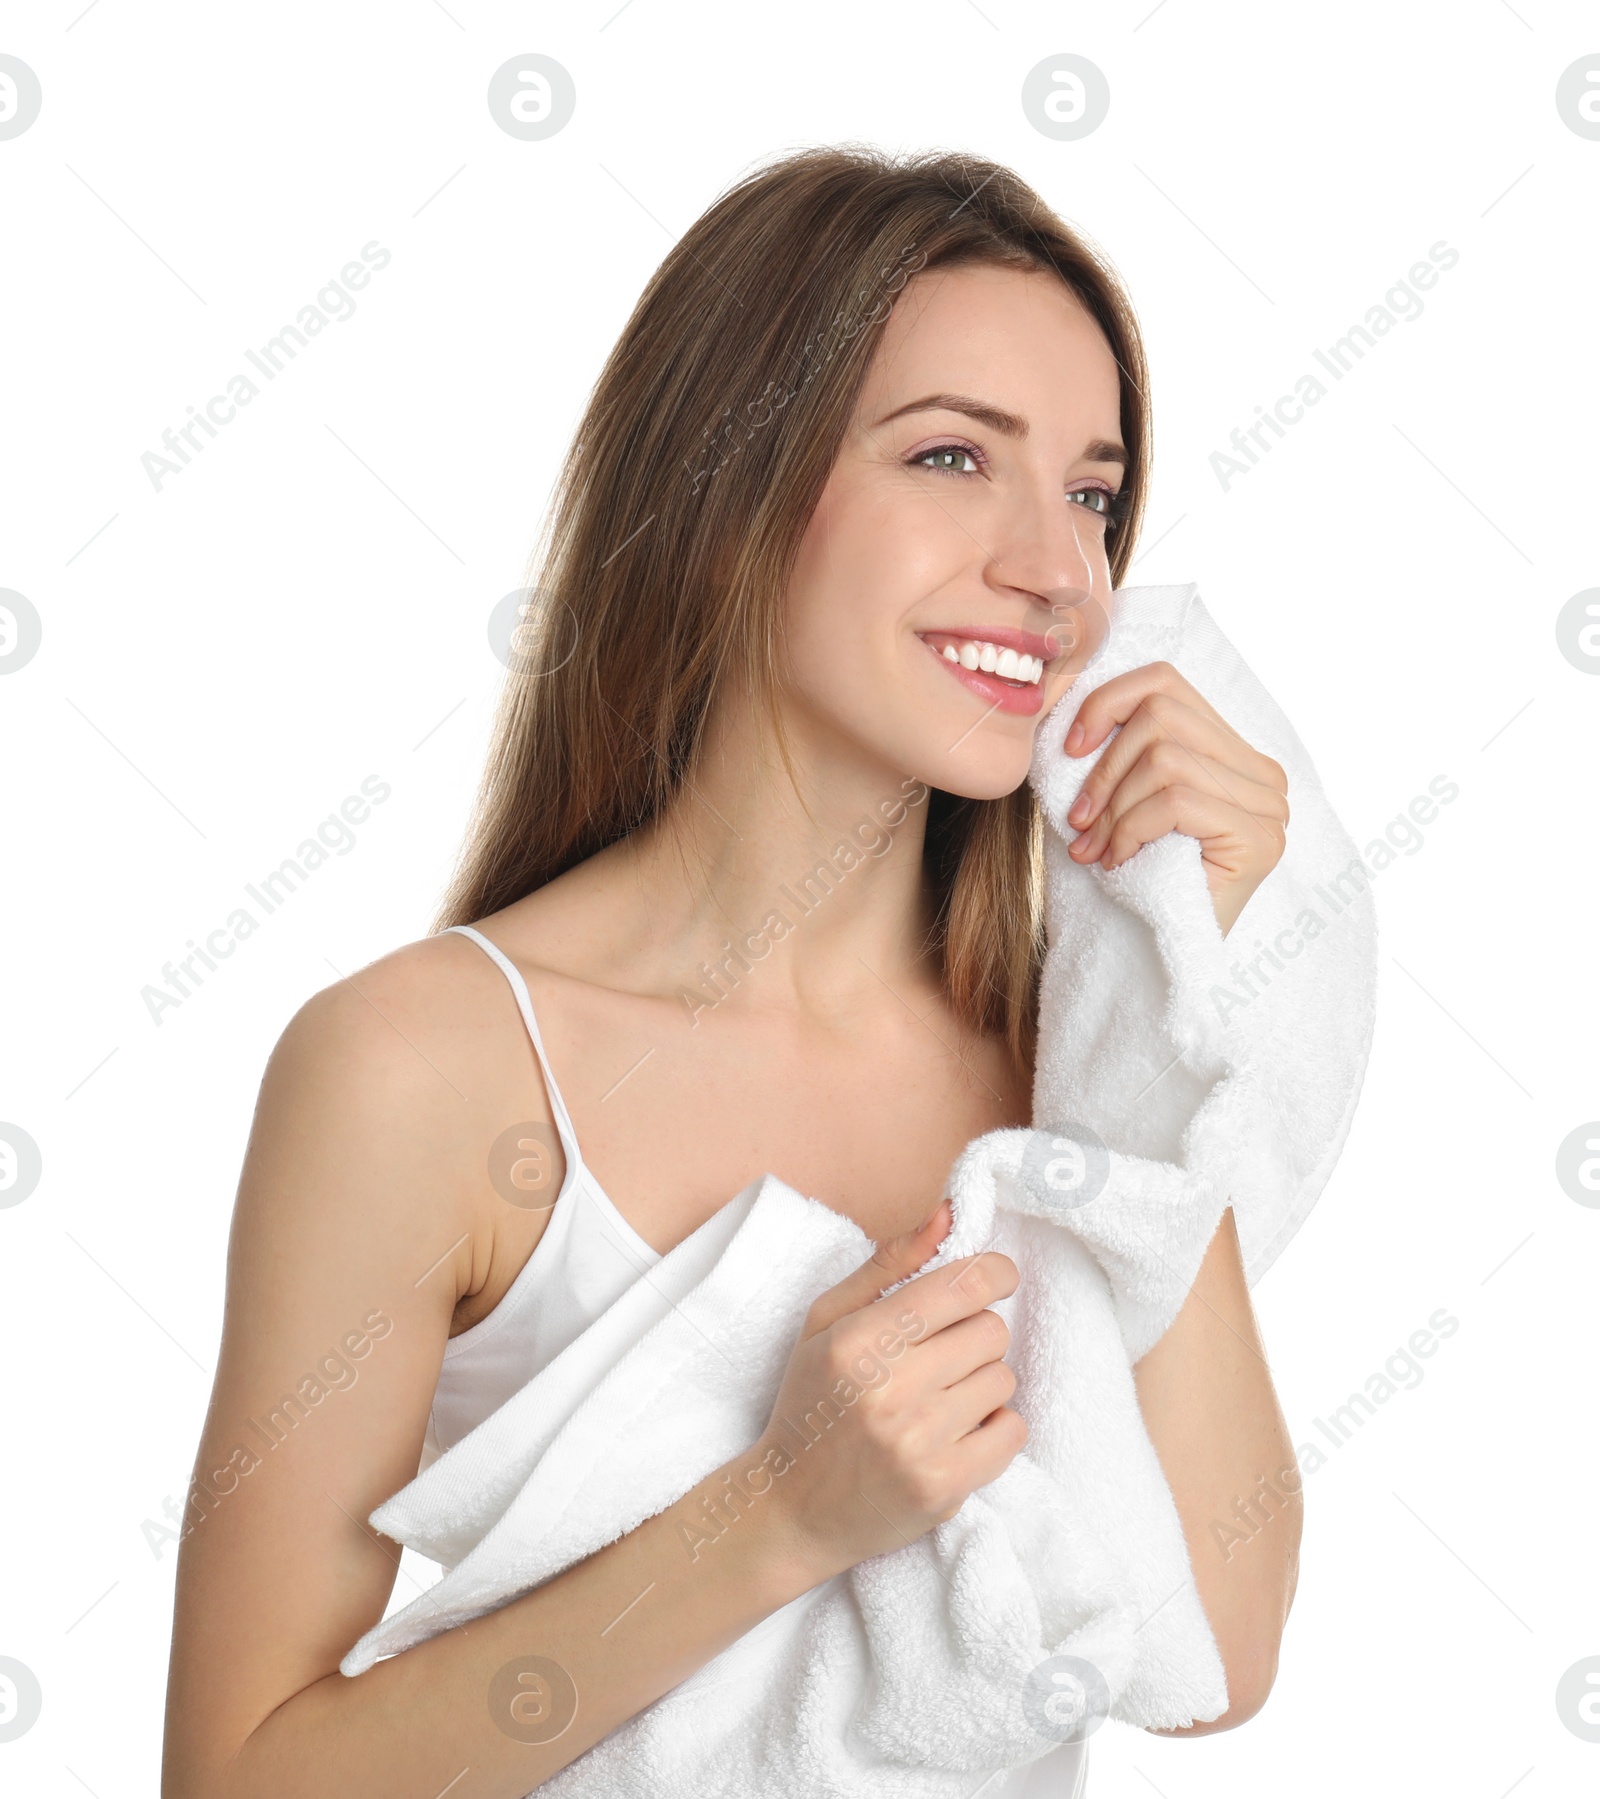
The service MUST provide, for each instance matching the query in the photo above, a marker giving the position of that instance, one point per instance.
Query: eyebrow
(1008, 424)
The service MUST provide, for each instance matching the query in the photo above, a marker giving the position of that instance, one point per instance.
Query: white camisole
(586, 1260)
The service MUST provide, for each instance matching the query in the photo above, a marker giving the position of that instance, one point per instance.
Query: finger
(1116, 701)
(985, 1452)
(973, 1399)
(1163, 717)
(1167, 764)
(940, 1297)
(1262, 812)
(1228, 838)
(892, 1259)
(948, 1356)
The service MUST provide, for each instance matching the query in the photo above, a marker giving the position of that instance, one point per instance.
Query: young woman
(869, 416)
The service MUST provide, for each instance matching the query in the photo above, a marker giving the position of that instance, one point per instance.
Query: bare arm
(356, 1233)
(610, 1635)
(1211, 1410)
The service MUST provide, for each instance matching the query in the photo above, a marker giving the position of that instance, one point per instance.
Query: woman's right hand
(892, 1410)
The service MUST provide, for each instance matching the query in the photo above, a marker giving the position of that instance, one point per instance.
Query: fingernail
(1078, 812)
(1074, 738)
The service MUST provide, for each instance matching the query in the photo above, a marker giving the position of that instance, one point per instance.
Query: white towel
(1177, 1072)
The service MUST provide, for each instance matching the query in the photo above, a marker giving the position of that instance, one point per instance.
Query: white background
(224, 660)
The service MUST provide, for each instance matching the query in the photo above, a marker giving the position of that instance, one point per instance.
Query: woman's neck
(809, 885)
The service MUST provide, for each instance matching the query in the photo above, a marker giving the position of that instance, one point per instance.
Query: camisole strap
(519, 988)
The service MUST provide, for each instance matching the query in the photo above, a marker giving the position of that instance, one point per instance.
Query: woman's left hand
(1176, 766)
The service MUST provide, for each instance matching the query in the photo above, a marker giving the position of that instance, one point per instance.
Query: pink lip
(990, 688)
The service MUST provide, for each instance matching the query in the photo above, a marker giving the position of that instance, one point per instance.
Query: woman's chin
(980, 776)
(963, 753)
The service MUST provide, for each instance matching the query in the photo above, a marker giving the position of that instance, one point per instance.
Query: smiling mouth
(999, 664)
(1019, 657)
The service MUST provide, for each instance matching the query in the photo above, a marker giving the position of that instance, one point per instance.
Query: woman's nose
(1055, 551)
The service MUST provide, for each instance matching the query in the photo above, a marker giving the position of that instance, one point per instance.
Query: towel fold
(1177, 1073)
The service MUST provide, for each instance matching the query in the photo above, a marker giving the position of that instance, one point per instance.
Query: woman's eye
(1097, 498)
(946, 460)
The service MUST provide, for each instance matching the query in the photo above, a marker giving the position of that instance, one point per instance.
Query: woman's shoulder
(402, 1016)
(422, 1050)
(435, 1019)
(379, 1109)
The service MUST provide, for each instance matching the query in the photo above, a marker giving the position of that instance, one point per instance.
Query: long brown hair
(666, 554)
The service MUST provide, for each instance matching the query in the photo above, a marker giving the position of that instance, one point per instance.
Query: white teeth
(1010, 665)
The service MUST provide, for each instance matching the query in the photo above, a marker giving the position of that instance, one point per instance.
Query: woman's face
(969, 506)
